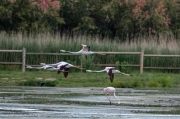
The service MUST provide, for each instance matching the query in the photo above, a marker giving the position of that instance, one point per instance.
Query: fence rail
(11, 63)
(153, 55)
(23, 63)
(11, 50)
(140, 65)
(31, 53)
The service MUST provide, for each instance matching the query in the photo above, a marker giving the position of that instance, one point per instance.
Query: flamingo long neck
(71, 52)
(99, 71)
(116, 96)
(75, 52)
(77, 67)
(53, 64)
(52, 69)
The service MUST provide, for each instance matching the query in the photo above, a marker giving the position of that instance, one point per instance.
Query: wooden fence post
(141, 61)
(23, 60)
(82, 60)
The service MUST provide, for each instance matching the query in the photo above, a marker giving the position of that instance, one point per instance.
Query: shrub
(87, 61)
(166, 82)
(50, 83)
(152, 83)
(160, 82)
(32, 82)
(136, 83)
(35, 82)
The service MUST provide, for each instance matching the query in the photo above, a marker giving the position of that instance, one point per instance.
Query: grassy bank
(81, 79)
(54, 42)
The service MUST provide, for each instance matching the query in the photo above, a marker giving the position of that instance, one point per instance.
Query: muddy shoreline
(56, 102)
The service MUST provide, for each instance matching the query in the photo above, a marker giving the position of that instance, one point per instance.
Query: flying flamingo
(62, 67)
(46, 67)
(110, 90)
(110, 71)
(85, 50)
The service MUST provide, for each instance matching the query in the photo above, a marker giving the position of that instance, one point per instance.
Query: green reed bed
(52, 43)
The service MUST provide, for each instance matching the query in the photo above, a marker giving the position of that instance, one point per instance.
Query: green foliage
(82, 79)
(86, 24)
(133, 83)
(166, 82)
(87, 61)
(117, 64)
(152, 83)
(1, 67)
(145, 81)
(50, 83)
(116, 19)
(160, 82)
(31, 82)
(52, 43)
(124, 66)
(35, 82)
(25, 16)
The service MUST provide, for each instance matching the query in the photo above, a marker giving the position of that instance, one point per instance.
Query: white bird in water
(62, 67)
(110, 90)
(85, 50)
(110, 71)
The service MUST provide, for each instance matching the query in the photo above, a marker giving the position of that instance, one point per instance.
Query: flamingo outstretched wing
(61, 68)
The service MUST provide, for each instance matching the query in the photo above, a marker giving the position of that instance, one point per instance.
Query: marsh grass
(160, 82)
(82, 79)
(151, 80)
(52, 43)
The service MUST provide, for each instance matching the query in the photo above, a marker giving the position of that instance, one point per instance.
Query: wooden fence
(23, 63)
(140, 65)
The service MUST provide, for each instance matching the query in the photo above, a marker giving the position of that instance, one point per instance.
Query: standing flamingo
(110, 71)
(85, 50)
(109, 90)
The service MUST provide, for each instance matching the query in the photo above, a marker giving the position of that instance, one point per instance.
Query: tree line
(108, 18)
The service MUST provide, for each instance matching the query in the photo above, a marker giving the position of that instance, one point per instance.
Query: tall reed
(52, 43)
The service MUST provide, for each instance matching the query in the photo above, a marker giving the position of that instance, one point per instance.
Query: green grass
(81, 79)
(177, 111)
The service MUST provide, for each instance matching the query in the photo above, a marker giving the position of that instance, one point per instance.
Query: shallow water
(53, 102)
